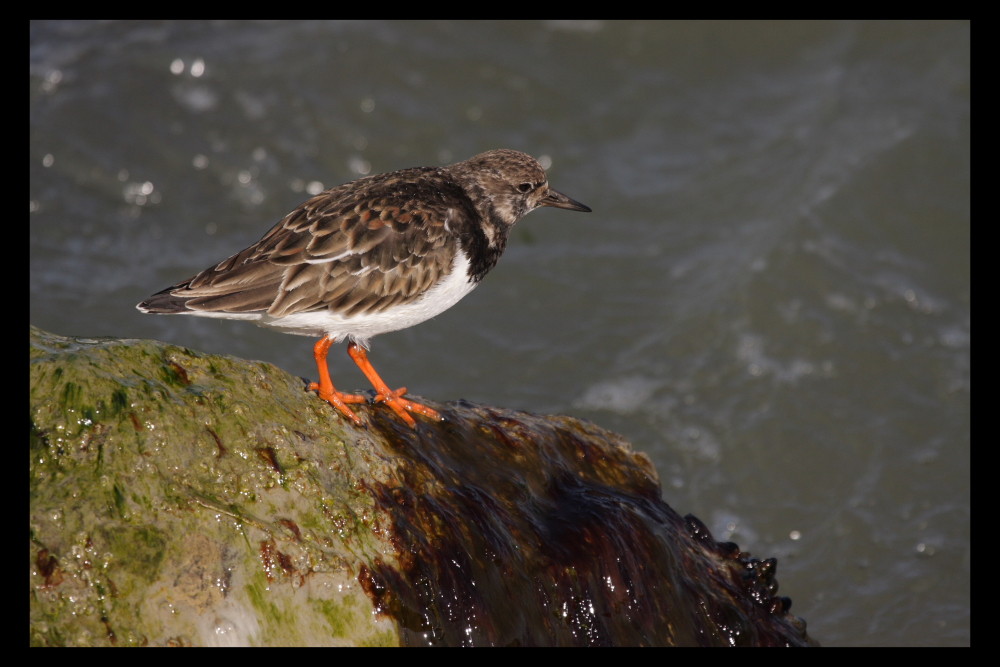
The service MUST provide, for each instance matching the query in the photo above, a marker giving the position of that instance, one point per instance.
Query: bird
(375, 255)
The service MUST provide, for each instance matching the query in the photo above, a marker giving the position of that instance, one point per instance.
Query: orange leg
(325, 386)
(394, 399)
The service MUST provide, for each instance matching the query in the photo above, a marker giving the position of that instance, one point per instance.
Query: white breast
(360, 328)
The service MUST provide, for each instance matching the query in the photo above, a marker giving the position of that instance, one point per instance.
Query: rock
(180, 498)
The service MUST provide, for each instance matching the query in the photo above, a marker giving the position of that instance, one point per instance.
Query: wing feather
(357, 248)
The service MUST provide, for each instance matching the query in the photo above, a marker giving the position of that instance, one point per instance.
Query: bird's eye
(525, 188)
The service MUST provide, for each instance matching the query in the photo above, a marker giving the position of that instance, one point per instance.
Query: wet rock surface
(179, 498)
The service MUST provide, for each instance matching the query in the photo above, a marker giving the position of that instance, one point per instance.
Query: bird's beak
(559, 200)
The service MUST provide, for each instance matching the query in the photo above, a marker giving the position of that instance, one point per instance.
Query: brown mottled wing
(357, 248)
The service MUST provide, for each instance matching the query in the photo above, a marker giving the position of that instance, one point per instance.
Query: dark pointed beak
(559, 200)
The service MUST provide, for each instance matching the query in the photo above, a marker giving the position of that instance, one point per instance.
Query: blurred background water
(771, 297)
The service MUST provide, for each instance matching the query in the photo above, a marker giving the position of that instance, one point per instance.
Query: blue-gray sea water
(771, 297)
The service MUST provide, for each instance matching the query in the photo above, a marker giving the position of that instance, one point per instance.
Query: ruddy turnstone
(375, 255)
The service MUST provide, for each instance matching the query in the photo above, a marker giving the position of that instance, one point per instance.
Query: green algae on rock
(179, 498)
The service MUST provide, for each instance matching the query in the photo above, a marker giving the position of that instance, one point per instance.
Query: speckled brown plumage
(374, 255)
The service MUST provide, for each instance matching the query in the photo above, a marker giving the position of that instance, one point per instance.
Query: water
(771, 297)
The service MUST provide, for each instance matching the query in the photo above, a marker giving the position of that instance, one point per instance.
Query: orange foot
(339, 400)
(394, 399)
(325, 387)
(403, 406)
